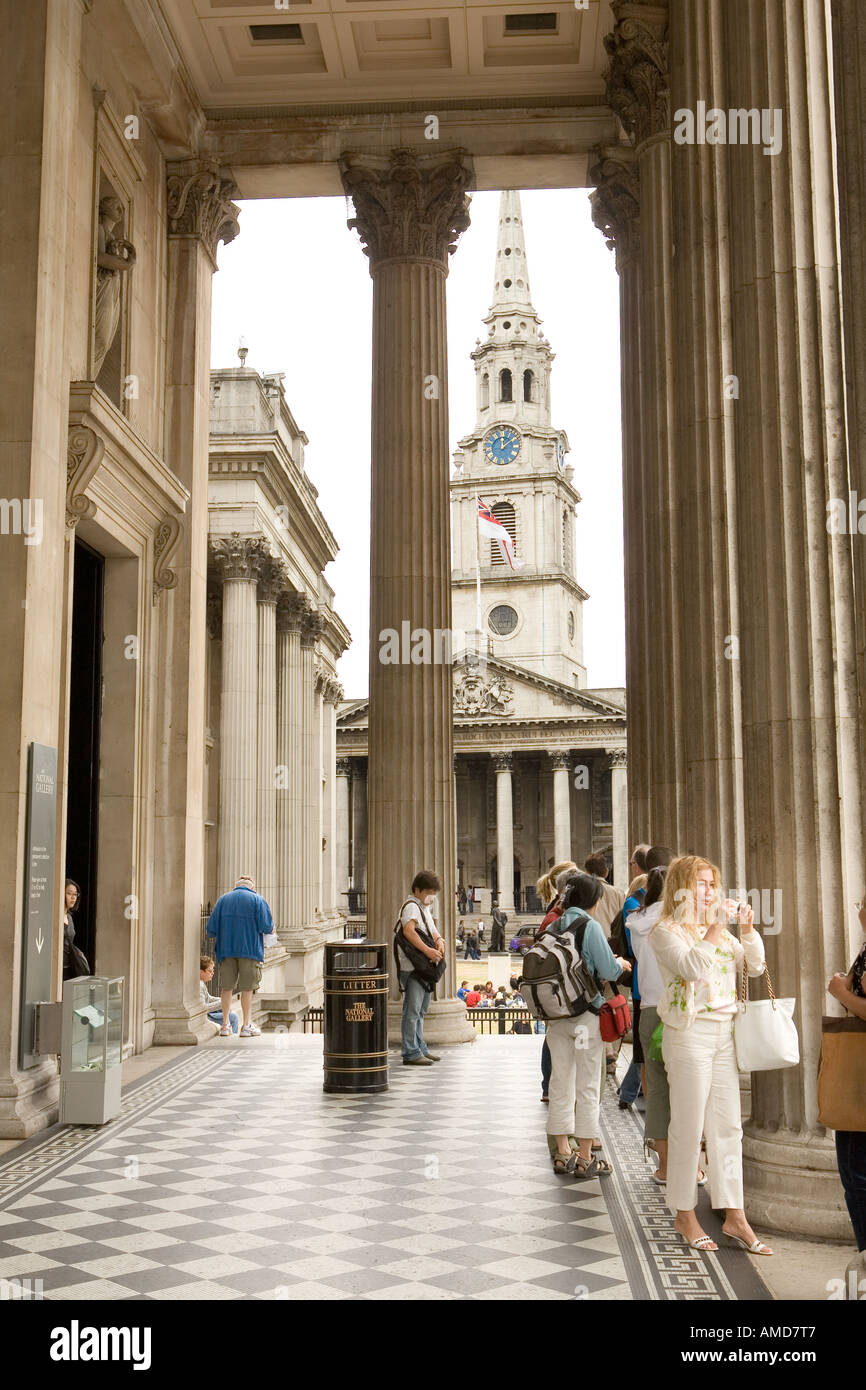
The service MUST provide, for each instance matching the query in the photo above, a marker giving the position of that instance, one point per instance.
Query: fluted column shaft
(707, 595)
(561, 807)
(619, 818)
(238, 732)
(308, 754)
(289, 797)
(267, 749)
(802, 809)
(342, 860)
(504, 764)
(409, 209)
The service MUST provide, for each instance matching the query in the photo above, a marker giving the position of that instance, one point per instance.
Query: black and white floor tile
(230, 1175)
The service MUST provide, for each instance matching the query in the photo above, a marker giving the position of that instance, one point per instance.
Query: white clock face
(560, 452)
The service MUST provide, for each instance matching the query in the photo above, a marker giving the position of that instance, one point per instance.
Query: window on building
(505, 385)
(527, 385)
(502, 620)
(485, 391)
(504, 512)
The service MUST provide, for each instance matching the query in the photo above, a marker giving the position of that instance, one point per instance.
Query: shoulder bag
(765, 1034)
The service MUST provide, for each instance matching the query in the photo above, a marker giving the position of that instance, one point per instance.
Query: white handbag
(765, 1034)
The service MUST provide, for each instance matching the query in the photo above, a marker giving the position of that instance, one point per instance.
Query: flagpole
(478, 575)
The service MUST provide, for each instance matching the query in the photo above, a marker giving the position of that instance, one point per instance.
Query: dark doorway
(85, 716)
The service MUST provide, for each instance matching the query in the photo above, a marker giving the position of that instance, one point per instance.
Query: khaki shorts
(239, 973)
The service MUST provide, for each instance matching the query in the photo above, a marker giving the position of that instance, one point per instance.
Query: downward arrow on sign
(40, 941)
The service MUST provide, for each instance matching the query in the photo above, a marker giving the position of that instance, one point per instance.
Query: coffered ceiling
(243, 55)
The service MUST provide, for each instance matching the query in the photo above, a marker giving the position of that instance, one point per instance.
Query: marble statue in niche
(114, 257)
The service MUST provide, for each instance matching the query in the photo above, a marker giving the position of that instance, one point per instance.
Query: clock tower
(514, 460)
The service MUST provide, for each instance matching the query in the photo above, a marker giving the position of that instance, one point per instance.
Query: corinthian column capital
(615, 201)
(312, 624)
(637, 78)
(239, 557)
(199, 203)
(408, 205)
(503, 762)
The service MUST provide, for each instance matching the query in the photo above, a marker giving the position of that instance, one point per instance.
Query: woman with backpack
(549, 889)
(576, 1045)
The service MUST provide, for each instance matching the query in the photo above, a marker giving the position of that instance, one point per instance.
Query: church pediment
(498, 689)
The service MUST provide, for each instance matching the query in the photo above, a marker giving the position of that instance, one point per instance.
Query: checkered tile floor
(230, 1175)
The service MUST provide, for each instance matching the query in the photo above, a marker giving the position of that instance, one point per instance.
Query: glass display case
(92, 1053)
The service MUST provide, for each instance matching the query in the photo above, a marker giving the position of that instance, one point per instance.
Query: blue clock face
(502, 445)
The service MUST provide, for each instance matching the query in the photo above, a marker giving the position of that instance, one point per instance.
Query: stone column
(849, 60)
(40, 293)
(616, 212)
(270, 585)
(200, 214)
(619, 815)
(409, 210)
(343, 790)
(560, 762)
(637, 92)
(802, 806)
(504, 764)
(333, 901)
(310, 763)
(241, 560)
(360, 818)
(707, 397)
(289, 619)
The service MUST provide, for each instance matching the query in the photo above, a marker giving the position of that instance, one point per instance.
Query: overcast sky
(296, 284)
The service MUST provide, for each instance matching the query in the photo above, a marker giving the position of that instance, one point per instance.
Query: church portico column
(343, 789)
(310, 759)
(504, 765)
(410, 209)
(560, 762)
(618, 761)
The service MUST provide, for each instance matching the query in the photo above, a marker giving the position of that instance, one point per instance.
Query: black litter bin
(356, 1017)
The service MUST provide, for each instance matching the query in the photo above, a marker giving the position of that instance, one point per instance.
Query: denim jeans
(851, 1157)
(217, 1017)
(416, 1002)
(628, 1091)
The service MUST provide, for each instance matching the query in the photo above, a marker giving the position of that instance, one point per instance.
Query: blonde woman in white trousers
(701, 963)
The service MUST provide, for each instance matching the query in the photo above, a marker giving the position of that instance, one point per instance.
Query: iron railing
(499, 1020)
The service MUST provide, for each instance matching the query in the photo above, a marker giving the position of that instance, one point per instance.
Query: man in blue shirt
(239, 923)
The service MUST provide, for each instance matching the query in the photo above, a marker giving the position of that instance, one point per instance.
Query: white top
(412, 912)
(649, 975)
(700, 980)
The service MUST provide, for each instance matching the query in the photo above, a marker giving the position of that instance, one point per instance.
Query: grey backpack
(556, 981)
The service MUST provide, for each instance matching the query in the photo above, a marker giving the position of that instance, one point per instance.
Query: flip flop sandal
(702, 1178)
(563, 1166)
(662, 1182)
(605, 1169)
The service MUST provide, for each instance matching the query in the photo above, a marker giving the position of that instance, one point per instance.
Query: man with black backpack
(420, 958)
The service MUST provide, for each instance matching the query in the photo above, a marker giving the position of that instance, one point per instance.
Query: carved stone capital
(503, 762)
(637, 78)
(408, 205)
(333, 692)
(83, 457)
(272, 580)
(559, 757)
(617, 757)
(291, 609)
(311, 628)
(165, 541)
(199, 203)
(239, 557)
(615, 201)
(344, 767)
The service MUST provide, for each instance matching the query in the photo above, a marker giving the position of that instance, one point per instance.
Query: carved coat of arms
(473, 695)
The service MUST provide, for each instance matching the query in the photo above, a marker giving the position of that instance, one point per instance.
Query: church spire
(511, 271)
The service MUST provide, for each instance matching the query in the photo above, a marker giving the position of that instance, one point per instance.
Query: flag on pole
(489, 526)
